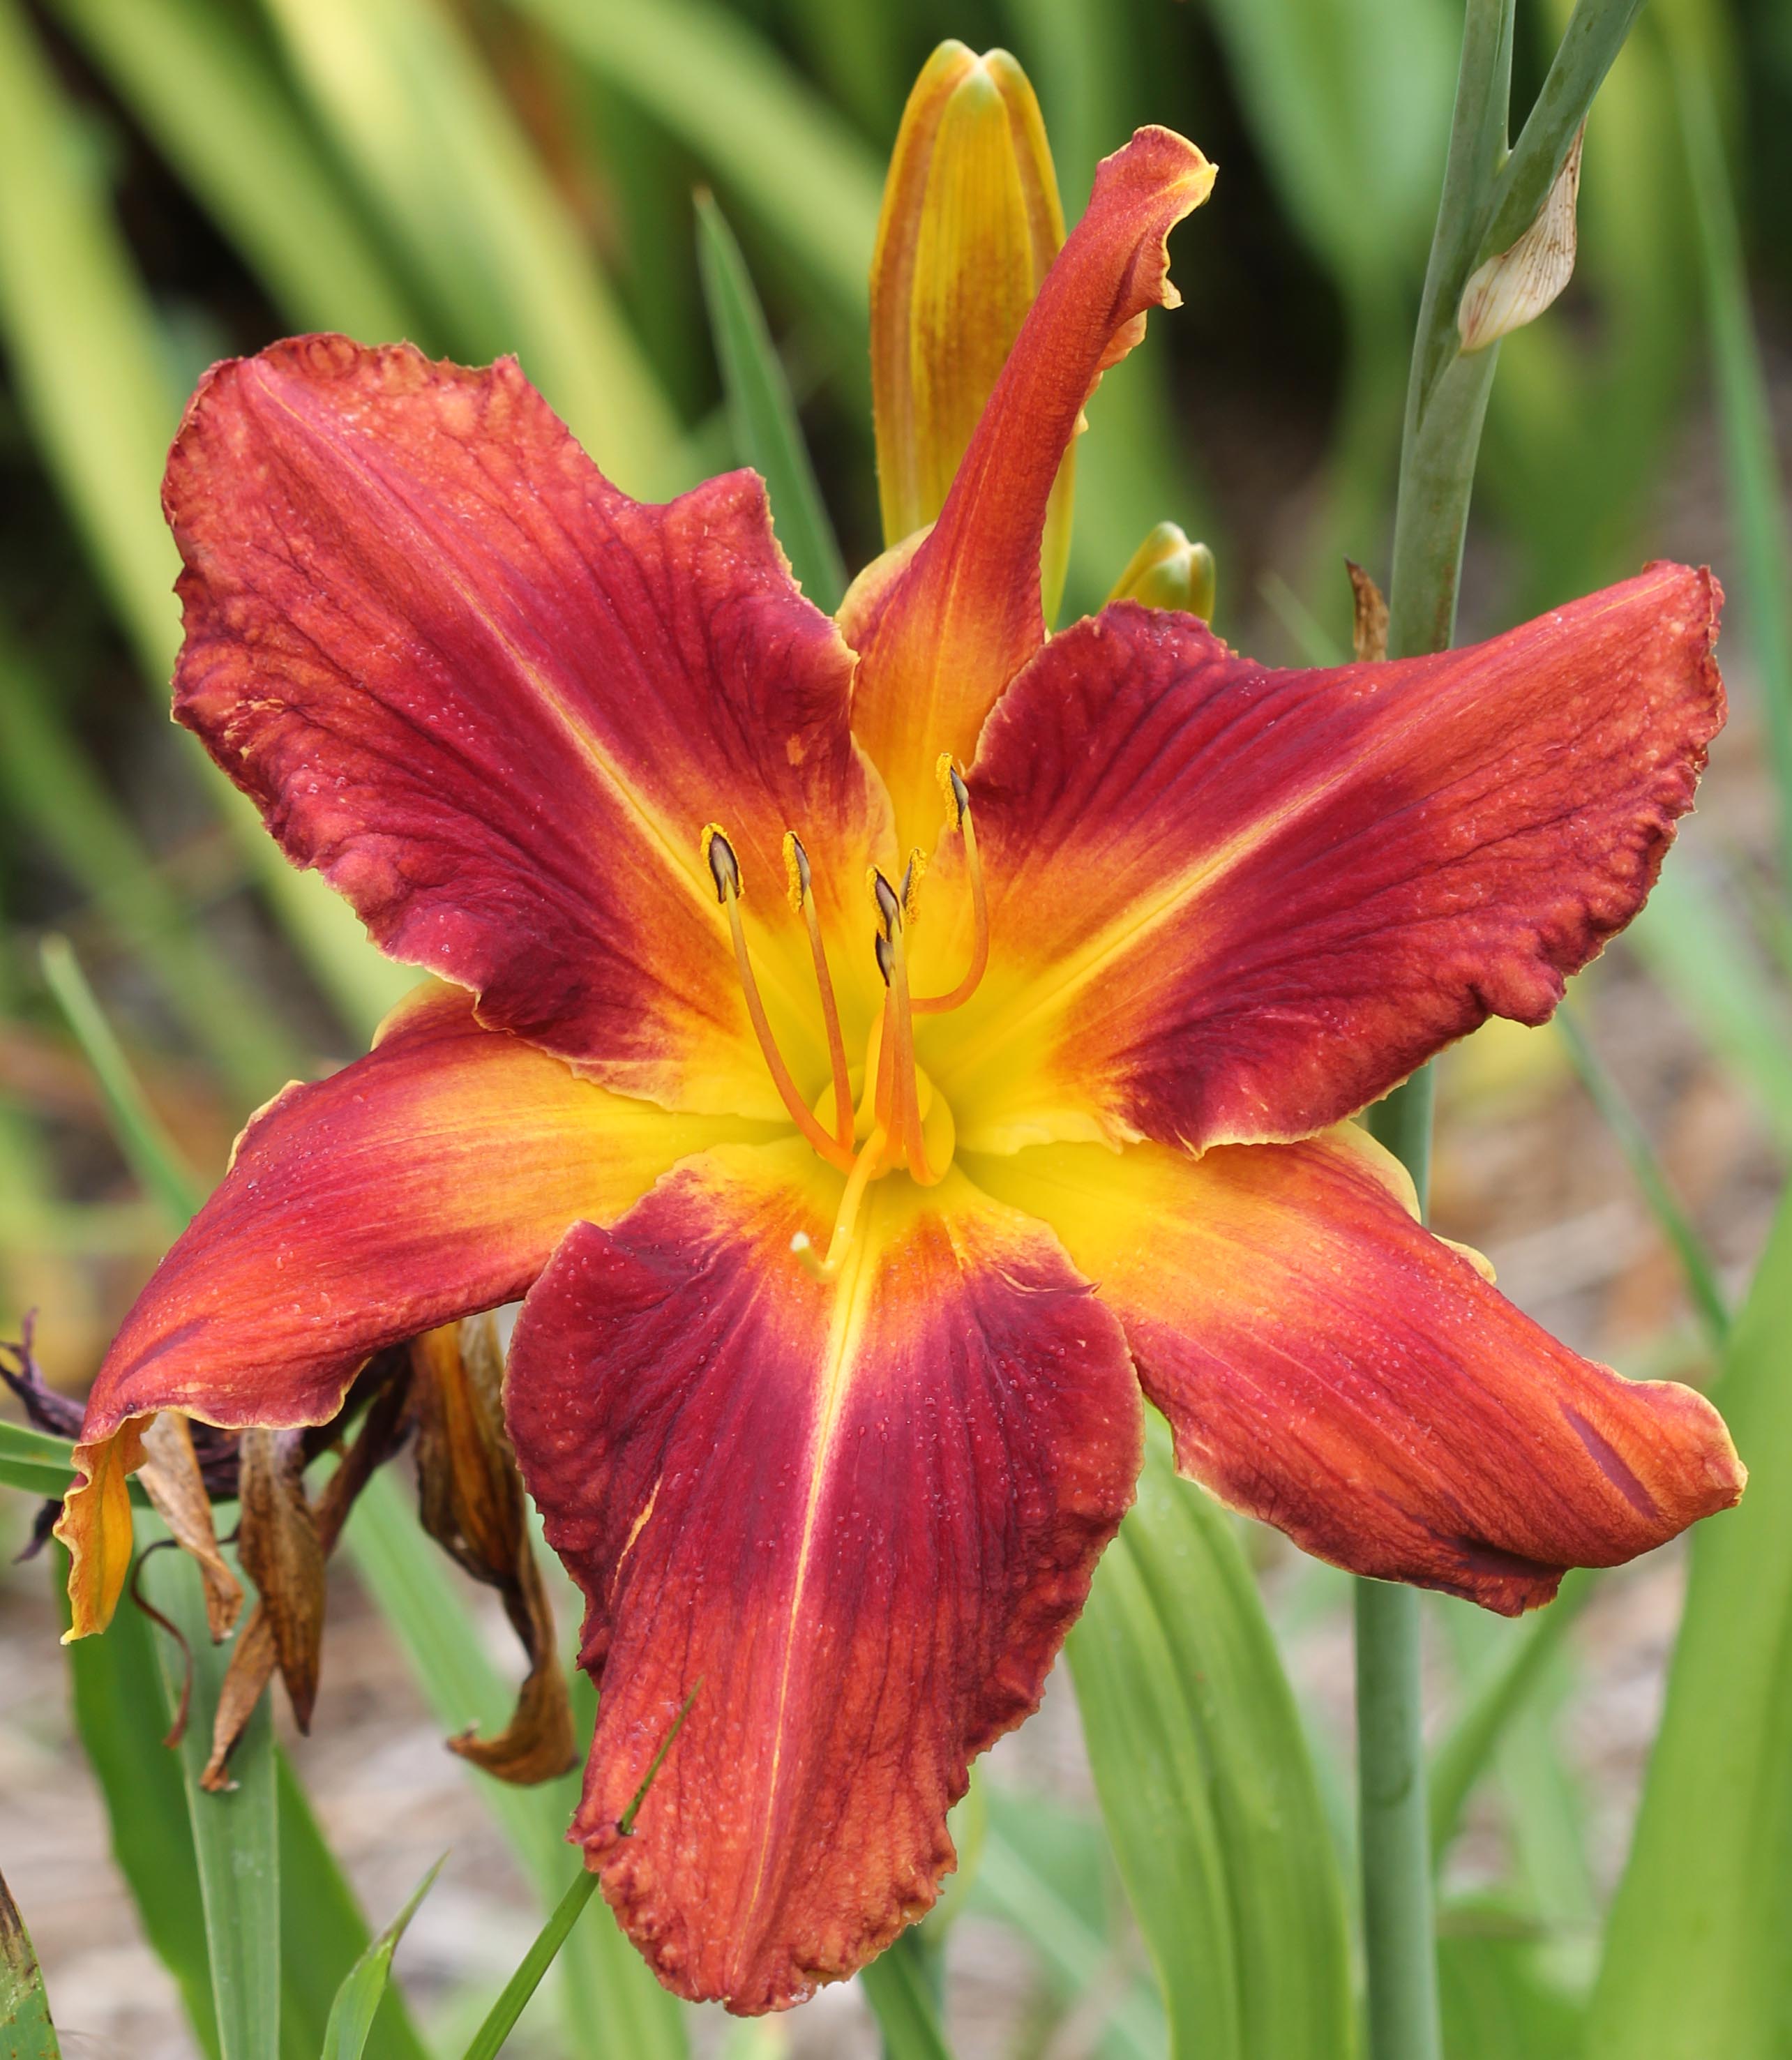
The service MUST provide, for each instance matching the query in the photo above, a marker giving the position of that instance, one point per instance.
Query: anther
(913, 874)
(797, 870)
(725, 868)
(888, 901)
(952, 785)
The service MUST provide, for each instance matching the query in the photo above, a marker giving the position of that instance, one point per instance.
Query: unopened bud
(971, 223)
(1516, 287)
(1168, 571)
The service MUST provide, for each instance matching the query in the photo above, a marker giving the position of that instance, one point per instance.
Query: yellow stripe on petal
(972, 221)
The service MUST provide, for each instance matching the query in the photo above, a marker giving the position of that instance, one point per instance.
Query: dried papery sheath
(1516, 287)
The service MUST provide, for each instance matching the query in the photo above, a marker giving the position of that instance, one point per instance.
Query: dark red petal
(430, 1179)
(940, 643)
(855, 1519)
(495, 701)
(1328, 1365)
(1230, 905)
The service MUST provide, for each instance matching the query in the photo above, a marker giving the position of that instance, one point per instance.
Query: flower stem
(1446, 399)
(1490, 193)
(1397, 1945)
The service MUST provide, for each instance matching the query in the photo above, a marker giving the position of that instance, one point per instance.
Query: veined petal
(1329, 1366)
(964, 617)
(495, 701)
(853, 1518)
(433, 1178)
(1229, 904)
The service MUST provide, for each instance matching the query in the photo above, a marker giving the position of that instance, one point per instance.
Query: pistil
(866, 1167)
(724, 870)
(958, 797)
(901, 1112)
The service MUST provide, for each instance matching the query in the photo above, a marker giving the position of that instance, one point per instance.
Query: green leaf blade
(1206, 1786)
(1695, 1962)
(365, 1985)
(761, 412)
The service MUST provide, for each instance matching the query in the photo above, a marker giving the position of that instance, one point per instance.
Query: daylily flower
(851, 1223)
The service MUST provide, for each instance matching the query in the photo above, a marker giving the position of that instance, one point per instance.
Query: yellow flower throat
(897, 1118)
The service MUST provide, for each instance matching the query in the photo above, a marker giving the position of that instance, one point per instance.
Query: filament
(796, 861)
(725, 871)
(959, 795)
(905, 1089)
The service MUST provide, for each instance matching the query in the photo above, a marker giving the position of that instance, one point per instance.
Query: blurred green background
(180, 180)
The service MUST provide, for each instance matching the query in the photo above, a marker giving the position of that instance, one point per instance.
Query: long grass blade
(122, 1714)
(895, 1986)
(218, 109)
(26, 2030)
(439, 152)
(86, 357)
(762, 133)
(611, 2004)
(1763, 537)
(152, 1153)
(1690, 936)
(364, 1987)
(1467, 1750)
(1206, 1786)
(50, 788)
(236, 1836)
(501, 2021)
(1696, 1960)
(1709, 1301)
(761, 412)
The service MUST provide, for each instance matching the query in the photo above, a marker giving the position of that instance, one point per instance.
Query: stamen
(886, 900)
(796, 866)
(725, 869)
(906, 1088)
(958, 796)
(869, 1162)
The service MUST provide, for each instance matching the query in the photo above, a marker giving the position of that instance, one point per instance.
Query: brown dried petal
(1369, 632)
(472, 1502)
(283, 1556)
(251, 1668)
(173, 1482)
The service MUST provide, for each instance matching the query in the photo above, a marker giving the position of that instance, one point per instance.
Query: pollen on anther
(952, 786)
(912, 879)
(725, 868)
(796, 870)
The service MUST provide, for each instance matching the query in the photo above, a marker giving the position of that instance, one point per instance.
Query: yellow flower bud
(971, 223)
(1168, 571)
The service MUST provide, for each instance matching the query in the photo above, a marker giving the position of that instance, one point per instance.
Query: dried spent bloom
(879, 1050)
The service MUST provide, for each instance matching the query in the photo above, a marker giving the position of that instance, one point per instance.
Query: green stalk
(1490, 196)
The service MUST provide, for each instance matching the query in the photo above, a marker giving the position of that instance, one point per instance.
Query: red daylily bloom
(849, 1229)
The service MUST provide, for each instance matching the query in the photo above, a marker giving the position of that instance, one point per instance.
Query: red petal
(940, 644)
(1230, 904)
(856, 1518)
(430, 1179)
(496, 701)
(1329, 1366)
